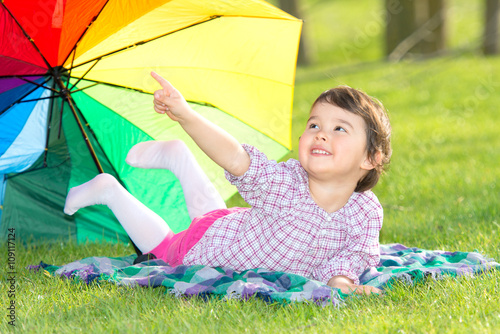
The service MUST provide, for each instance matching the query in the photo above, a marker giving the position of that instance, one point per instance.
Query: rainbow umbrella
(75, 96)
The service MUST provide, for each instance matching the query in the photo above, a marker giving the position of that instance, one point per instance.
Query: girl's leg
(146, 229)
(200, 194)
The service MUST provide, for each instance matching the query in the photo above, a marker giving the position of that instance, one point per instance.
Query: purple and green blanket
(397, 263)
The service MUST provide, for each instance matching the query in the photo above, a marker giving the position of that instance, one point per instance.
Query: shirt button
(324, 232)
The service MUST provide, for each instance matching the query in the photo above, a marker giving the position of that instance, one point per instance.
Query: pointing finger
(167, 86)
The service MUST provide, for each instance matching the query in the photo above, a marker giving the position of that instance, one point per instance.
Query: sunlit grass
(46, 304)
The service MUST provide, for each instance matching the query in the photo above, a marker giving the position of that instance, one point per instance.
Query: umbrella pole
(47, 138)
(65, 93)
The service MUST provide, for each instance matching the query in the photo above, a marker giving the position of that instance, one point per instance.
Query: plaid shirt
(285, 230)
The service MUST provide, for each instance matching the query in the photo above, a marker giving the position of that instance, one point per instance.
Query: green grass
(441, 192)
(46, 305)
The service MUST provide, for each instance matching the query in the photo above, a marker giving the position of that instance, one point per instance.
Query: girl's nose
(320, 136)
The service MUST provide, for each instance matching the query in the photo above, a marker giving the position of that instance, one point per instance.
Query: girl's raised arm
(219, 145)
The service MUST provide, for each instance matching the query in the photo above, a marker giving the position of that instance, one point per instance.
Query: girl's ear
(372, 162)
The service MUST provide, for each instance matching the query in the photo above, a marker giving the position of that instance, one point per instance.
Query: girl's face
(333, 145)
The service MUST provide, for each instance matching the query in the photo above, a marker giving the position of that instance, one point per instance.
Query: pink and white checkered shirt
(285, 230)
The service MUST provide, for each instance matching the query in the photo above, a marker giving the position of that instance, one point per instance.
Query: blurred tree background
(393, 29)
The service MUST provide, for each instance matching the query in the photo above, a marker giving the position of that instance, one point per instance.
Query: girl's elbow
(241, 165)
(240, 169)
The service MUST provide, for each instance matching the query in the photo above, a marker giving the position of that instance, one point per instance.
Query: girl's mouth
(319, 151)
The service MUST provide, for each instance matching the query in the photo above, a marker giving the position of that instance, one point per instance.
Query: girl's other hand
(347, 286)
(169, 100)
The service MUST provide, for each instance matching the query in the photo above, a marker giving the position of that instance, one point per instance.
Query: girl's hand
(217, 144)
(169, 100)
(347, 286)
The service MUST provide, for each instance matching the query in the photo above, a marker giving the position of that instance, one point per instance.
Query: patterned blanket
(397, 263)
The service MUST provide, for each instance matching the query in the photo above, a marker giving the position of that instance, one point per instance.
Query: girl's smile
(318, 150)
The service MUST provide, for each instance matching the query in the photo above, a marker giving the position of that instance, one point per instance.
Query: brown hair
(378, 127)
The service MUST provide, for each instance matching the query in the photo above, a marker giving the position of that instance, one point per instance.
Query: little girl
(315, 217)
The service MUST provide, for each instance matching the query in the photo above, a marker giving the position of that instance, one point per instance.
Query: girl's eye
(339, 128)
(313, 126)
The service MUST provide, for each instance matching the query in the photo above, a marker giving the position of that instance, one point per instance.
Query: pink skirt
(174, 247)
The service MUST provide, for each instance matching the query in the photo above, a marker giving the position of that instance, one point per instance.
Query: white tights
(144, 227)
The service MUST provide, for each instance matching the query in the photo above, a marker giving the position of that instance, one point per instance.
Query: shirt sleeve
(264, 183)
(361, 252)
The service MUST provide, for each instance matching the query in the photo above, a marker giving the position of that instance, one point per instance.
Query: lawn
(441, 192)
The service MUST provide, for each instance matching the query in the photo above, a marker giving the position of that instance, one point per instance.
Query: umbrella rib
(60, 119)
(73, 50)
(202, 103)
(28, 37)
(83, 76)
(24, 75)
(87, 141)
(22, 97)
(79, 90)
(29, 170)
(37, 84)
(49, 121)
(112, 85)
(149, 40)
(42, 98)
(69, 99)
(17, 101)
(229, 71)
(69, 73)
